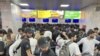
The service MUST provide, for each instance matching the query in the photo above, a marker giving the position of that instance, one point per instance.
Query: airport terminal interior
(49, 27)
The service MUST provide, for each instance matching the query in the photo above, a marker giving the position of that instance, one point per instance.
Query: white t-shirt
(48, 34)
(33, 43)
(18, 36)
(88, 45)
(73, 47)
(14, 46)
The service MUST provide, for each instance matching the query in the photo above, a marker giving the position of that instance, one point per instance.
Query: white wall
(6, 15)
(16, 19)
(92, 17)
(10, 16)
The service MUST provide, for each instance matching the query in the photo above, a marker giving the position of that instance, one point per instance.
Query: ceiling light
(26, 10)
(64, 5)
(24, 4)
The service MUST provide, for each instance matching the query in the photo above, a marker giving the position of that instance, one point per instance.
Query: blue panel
(75, 20)
(46, 20)
(31, 19)
(68, 21)
(55, 20)
(23, 19)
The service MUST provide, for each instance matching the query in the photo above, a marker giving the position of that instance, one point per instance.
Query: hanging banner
(57, 14)
(44, 14)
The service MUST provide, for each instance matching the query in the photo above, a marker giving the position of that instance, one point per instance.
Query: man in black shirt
(45, 47)
(25, 46)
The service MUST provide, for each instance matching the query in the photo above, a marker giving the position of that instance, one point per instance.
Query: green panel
(72, 14)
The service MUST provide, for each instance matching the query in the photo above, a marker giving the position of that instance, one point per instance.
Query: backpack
(2, 47)
(65, 49)
(86, 54)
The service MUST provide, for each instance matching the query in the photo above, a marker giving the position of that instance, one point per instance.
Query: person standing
(14, 49)
(73, 49)
(20, 32)
(44, 46)
(88, 43)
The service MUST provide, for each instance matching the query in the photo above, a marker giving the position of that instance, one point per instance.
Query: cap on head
(28, 30)
(43, 42)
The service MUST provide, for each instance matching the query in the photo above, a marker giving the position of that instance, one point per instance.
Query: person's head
(63, 35)
(21, 30)
(24, 33)
(96, 30)
(91, 34)
(72, 36)
(29, 32)
(4, 31)
(72, 28)
(81, 31)
(1, 33)
(10, 31)
(44, 44)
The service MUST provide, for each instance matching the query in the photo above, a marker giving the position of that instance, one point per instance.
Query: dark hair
(21, 29)
(10, 30)
(4, 31)
(1, 31)
(99, 33)
(82, 30)
(90, 32)
(70, 35)
(62, 36)
(96, 28)
(33, 35)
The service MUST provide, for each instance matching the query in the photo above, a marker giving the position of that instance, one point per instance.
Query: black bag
(1, 48)
(98, 46)
(65, 49)
(53, 44)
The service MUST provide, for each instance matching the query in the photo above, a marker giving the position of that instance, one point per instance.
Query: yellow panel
(44, 13)
(55, 14)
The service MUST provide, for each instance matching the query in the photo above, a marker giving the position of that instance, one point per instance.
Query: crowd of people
(50, 40)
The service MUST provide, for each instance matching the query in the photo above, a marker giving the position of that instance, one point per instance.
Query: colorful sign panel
(72, 14)
(44, 14)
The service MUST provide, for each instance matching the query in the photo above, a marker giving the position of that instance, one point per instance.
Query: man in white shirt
(88, 43)
(73, 47)
(15, 45)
